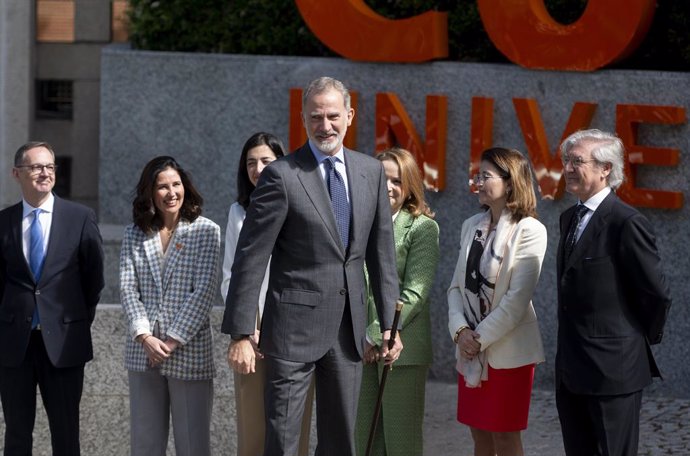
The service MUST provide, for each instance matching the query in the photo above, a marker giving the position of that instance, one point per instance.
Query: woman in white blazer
(258, 152)
(491, 317)
(168, 282)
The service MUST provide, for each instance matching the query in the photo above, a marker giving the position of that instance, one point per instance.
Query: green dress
(399, 430)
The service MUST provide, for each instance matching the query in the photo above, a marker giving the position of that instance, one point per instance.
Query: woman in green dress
(399, 430)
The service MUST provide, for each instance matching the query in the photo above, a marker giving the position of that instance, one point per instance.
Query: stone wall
(200, 108)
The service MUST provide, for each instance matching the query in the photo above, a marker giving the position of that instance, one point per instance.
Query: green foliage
(275, 27)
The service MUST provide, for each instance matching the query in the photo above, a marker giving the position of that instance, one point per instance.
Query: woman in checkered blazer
(168, 282)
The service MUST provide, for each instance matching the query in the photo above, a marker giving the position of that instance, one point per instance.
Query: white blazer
(510, 332)
(180, 299)
(232, 234)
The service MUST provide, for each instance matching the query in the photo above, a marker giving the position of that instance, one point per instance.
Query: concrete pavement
(664, 425)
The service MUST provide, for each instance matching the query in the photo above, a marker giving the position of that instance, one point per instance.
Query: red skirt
(501, 404)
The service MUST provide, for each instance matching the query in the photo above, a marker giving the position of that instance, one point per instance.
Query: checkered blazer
(180, 300)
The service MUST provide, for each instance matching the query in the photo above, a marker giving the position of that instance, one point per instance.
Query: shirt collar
(593, 202)
(320, 156)
(47, 205)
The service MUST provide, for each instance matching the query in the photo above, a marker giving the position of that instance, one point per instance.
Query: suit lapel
(592, 230)
(402, 224)
(152, 252)
(17, 238)
(357, 183)
(175, 249)
(316, 191)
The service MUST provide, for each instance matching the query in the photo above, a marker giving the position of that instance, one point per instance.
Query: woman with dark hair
(490, 314)
(258, 152)
(399, 430)
(168, 282)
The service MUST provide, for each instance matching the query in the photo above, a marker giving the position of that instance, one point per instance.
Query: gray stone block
(200, 108)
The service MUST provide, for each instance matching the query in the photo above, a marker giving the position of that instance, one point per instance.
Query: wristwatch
(239, 336)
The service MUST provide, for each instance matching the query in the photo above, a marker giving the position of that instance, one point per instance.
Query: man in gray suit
(318, 214)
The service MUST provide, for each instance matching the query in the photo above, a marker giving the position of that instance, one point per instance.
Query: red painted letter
(353, 30)
(548, 168)
(608, 30)
(394, 127)
(628, 119)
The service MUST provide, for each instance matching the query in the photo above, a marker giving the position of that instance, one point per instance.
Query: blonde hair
(515, 168)
(411, 179)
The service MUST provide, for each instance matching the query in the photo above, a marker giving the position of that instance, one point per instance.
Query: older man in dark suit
(320, 212)
(612, 303)
(51, 276)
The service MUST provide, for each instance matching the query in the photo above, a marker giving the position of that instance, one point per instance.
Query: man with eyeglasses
(51, 277)
(612, 303)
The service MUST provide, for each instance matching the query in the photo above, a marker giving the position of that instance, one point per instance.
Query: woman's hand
(371, 354)
(468, 343)
(156, 350)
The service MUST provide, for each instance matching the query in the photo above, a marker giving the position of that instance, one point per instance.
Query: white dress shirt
(592, 204)
(45, 218)
(339, 166)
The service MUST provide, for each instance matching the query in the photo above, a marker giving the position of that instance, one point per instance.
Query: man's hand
(241, 356)
(390, 356)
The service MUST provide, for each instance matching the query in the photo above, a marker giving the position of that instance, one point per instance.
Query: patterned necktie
(341, 207)
(36, 253)
(36, 256)
(575, 223)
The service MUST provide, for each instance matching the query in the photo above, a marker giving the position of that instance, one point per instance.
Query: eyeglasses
(38, 169)
(479, 179)
(575, 161)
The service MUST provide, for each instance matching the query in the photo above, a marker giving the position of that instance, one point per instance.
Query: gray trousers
(338, 376)
(153, 398)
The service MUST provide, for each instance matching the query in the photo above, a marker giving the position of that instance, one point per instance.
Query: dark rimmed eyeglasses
(38, 169)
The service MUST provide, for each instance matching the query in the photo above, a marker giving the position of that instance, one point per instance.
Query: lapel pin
(178, 246)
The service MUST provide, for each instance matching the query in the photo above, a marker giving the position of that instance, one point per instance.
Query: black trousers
(61, 390)
(599, 425)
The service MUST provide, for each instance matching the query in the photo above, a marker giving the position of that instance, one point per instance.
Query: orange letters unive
(353, 30)
(547, 167)
(628, 119)
(394, 127)
(525, 32)
(297, 134)
(481, 132)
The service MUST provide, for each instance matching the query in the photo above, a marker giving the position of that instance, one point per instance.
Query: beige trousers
(249, 402)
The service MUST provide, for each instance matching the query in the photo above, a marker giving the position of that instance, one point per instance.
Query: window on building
(63, 178)
(54, 99)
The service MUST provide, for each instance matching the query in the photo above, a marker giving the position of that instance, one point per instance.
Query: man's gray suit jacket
(290, 221)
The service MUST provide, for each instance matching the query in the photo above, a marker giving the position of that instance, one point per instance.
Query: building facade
(50, 86)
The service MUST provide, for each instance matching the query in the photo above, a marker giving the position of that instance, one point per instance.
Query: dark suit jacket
(612, 303)
(311, 274)
(66, 294)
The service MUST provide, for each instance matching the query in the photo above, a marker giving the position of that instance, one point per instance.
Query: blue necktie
(341, 207)
(36, 255)
(571, 238)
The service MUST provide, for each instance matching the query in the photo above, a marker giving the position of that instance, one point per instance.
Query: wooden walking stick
(384, 375)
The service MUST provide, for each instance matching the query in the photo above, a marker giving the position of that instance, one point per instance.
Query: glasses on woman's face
(35, 170)
(479, 179)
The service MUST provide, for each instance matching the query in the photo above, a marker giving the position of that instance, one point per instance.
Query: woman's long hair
(144, 212)
(411, 179)
(244, 185)
(515, 168)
